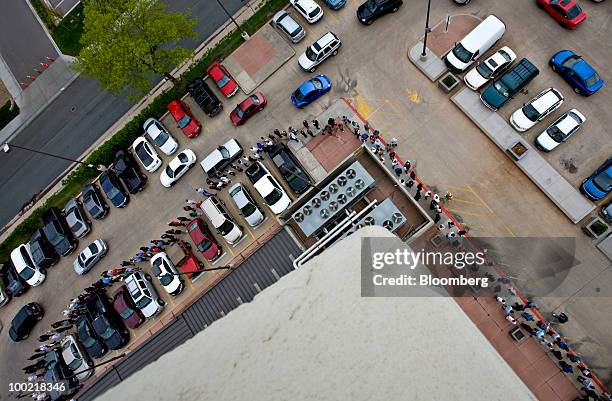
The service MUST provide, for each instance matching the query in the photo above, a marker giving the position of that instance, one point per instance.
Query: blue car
(599, 184)
(335, 4)
(577, 72)
(310, 91)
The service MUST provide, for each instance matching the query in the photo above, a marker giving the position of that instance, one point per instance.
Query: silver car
(89, 256)
(247, 206)
(78, 223)
(285, 22)
(77, 360)
(143, 293)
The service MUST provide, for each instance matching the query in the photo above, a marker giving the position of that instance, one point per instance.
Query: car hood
(169, 147)
(592, 190)
(281, 205)
(520, 122)
(546, 141)
(233, 236)
(150, 310)
(192, 129)
(305, 62)
(363, 12)
(492, 97)
(255, 218)
(474, 80)
(64, 247)
(173, 286)
(455, 62)
(212, 252)
(77, 267)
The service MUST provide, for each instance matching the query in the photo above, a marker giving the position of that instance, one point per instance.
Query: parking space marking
(463, 212)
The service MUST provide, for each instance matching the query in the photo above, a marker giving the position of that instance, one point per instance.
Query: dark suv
(14, 284)
(87, 336)
(24, 321)
(373, 9)
(290, 168)
(106, 322)
(57, 231)
(129, 173)
(502, 89)
(43, 254)
(205, 97)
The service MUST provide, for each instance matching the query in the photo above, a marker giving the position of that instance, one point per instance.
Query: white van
(221, 220)
(25, 267)
(475, 44)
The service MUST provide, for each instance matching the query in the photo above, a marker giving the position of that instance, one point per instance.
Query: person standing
(305, 124)
(315, 123)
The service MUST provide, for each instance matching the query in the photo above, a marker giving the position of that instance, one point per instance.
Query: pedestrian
(398, 171)
(225, 179)
(36, 355)
(562, 344)
(394, 142)
(175, 223)
(181, 218)
(236, 167)
(432, 205)
(461, 233)
(309, 132)
(507, 309)
(407, 165)
(566, 367)
(543, 326)
(254, 149)
(315, 122)
(518, 307)
(511, 319)
(410, 183)
(436, 198)
(437, 218)
(528, 316)
(292, 137)
(557, 354)
(305, 124)
(448, 195)
(417, 196)
(303, 133)
(277, 132)
(451, 235)
(331, 122)
(176, 231)
(584, 370)
(561, 317)
(539, 334)
(187, 208)
(230, 172)
(573, 356)
(412, 175)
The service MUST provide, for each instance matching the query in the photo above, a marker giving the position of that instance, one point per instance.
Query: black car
(57, 372)
(43, 253)
(57, 232)
(87, 336)
(373, 9)
(290, 168)
(205, 97)
(24, 321)
(113, 189)
(14, 284)
(93, 202)
(129, 173)
(106, 323)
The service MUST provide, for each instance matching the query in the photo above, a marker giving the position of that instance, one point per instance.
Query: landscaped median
(123, 139)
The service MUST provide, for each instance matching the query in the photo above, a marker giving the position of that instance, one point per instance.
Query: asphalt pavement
(60, 129)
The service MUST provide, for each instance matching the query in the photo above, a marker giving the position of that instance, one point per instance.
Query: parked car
(76, 358)
(285, 22)
(177, 168)
(143, 293)
(267, 186)
(166, 273)
(78, 222)
(215, 212)
(146, 155)
(509, 84)
(221, 157)
(43, 253)
(243, 200)
(488, 69)
(113, 189)
(204, 240)
(536, 109)
(129, 172)
(327, 45)
(57, 232)
(308, 9)
(160, 136)
(374, 9)
(606, 211)
(566, 12)
(223, 79)
(59, 376)
(310, 91)
(205, 97)
(93, 202)
(14, 284)
(24, 321)
(577, 72)
(86, 335)
(247, 108)
(106, 323)
(125, 307)
(335, 4)
(599, 184)
(184, 119)
(290, 168)
(560, 131)
(25, 266)
(89, 256)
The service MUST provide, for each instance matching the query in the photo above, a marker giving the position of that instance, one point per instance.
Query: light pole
(244, 34)
(7, 148)
(427, 30)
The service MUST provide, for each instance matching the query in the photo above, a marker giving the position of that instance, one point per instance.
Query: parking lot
(372, 70)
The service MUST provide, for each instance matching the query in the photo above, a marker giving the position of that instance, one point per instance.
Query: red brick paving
(254, 54)
(440, 42)
(330, 150)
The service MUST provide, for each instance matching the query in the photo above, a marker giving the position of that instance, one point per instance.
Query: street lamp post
(427, 30)
(244, 34)
(7, 147)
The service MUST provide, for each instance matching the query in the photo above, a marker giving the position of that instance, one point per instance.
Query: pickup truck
(182, 257)
(509, 84)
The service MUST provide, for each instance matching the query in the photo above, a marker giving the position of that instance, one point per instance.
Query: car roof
(326, 39)
(583, 69)
(285, 19)
(174, 107)
(542, 103)
(566, 123)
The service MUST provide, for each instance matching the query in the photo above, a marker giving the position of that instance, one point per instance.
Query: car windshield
(317, 83)
(310, 54)
(143, 302)
(484, 70)
(273, 196)
(184, 121)
(74, 365)
(126, 313)
(221, 82)
(161, 138)
(110, 189)
(183, 158)
(87, 340)
(314, 12)
(56, 238)
(248, 209)
(166, 279)
(204, 245)
(573, 12)
(169, 172)
(530, 112)
(371, 5)
(556, 134)
(571, 61)
(298, 94)
(239, 112)
(502, 89)
(603, 181)
(108, 331)
(224, 152)
(226, 227)
(75, 225)
(461, 53)
(592, 80)
(143, 155)
(27, 273)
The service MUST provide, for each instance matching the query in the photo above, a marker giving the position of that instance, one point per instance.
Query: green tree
(126, 43)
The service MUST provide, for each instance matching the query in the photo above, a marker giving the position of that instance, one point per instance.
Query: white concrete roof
(311, 336)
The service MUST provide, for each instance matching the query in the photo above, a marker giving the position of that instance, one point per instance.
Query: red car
(247, 108)
(203, 239)
(223, 79)
(566, 12)
(183, 117)
(124, 306)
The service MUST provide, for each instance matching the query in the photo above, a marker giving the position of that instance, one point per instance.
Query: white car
(177, 168)
(560, 131)
(89, 256)
(77, 360)
(163, 268)
(221, 157)
(325, 47)
(247, 206)
(536, 109)
(489, 68)
(146, 155)
(160, 136)
(143, 293)
(308, 9)
(269, 189)
(25, 267)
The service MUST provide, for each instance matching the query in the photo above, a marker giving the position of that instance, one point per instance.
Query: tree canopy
(126, 43)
